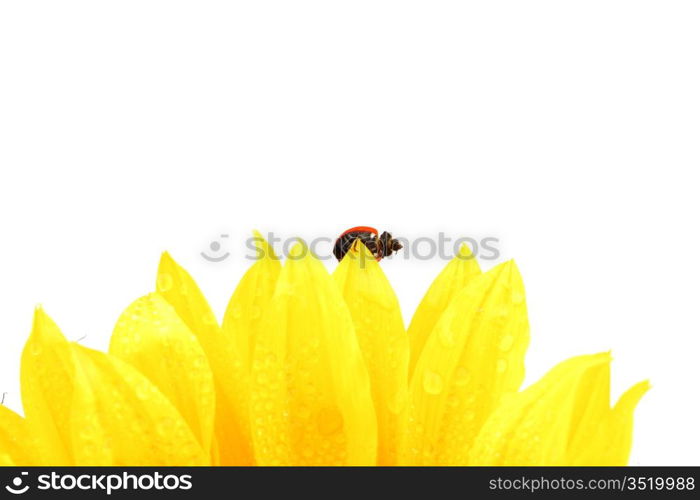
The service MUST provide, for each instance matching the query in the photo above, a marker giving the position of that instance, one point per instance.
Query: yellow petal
(473, 357)
(563, 419)
(604, 438)
(120, 418)
(250, 300)
(46, 377)
(461, 270)
(311, 399)
(151, 337)
(619, 429)
(232, 428)
(15, 440)
(382, 338)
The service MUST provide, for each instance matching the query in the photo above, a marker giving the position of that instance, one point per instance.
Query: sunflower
(309, 368)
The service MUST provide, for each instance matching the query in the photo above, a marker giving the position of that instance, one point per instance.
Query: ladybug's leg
(342, 246)
(385, 241)
(370, 241)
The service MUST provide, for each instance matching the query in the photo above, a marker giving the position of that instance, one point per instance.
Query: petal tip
(166, 262)
(602, 357)
(360, 250)
(299, 250)
(642, 387)
(465, 252)
(44, 327)
(40, 318)
(629, 400)
(263, 246)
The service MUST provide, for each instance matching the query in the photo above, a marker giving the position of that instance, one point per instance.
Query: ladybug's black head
(389, 245)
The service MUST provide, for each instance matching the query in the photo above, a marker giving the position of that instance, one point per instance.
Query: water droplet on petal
(236, 313)
(397, 403)
(506, 343)
(199, 362)
(432, 382)
(462, 376)
(164, 282)
(501, 365)
(329, 421)
(518, 297)
(208, 319)
(303, 412)
(447, 336)
(142, 392)
(165, 427)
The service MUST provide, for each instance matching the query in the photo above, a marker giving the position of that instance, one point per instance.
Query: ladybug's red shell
(360, 229)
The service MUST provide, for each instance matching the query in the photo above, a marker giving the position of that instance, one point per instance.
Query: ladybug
(380, 246)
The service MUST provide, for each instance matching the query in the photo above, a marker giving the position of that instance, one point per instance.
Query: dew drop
(303, 412)
(164, 282)
(142, 392)
(506, 343)
(329, 421)
(88, 432)
(501, 311)
(432, 382)
(462, 376)
(501, 365)
(270, 359)
(208, 319)
(165, 426)
(36, 348)
(518, 297)
(397, 403)
(236, 313)
(447, 336)
(199, 362)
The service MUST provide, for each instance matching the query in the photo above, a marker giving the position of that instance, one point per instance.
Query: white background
(569, 130)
